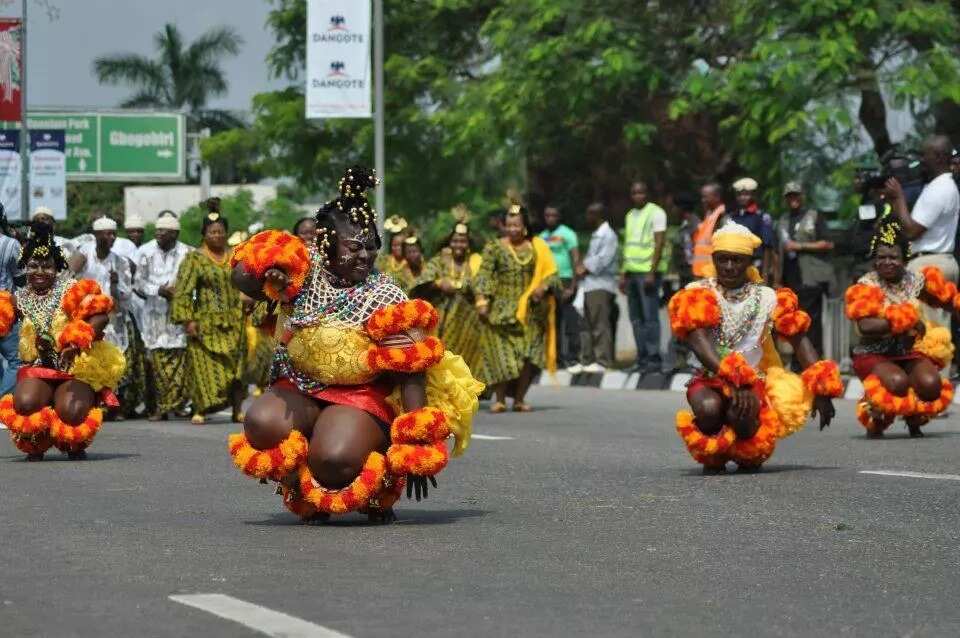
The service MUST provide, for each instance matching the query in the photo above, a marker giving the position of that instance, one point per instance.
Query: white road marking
(490, 437)
(267, 621)
(935, 477)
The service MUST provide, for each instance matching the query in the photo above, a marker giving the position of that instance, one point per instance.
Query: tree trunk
(873, 116)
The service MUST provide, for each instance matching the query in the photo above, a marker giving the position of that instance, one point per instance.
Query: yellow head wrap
(737, 239)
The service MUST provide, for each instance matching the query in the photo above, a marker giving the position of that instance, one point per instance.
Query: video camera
(903, 166)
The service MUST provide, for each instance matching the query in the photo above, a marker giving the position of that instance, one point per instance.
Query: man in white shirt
(932, 225)
(158, 262)
(598, 281)
(97, 261)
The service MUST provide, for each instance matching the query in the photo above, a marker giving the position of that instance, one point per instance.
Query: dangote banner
(339, 80)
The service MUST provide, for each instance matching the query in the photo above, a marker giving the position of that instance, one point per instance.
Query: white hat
(41, 210)
(167, 222)
(104, 223)
(133, 222)
(745, 184)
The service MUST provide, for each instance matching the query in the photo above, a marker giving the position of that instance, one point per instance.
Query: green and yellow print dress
(215, 359)
(505, 273)
(459, 326)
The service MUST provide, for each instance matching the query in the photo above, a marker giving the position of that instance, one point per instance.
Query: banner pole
(24, 132)
(378, 141)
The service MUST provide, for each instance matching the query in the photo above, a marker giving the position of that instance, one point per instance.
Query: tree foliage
(572, 100)
(180, 77)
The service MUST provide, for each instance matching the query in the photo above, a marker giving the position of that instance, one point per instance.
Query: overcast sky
(61, 52)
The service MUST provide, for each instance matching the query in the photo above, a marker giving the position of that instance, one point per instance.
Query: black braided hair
(889, 232)
(350, 208)
(41, 244)
(213, 216)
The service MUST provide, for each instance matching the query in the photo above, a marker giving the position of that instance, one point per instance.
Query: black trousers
(811, 302)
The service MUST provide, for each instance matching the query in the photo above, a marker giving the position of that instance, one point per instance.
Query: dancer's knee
(332, 469)
(31, 395)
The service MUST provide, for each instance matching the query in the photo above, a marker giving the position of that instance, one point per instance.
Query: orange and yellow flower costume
(785, 398)
(899, 304)
(341, 345)
(97, 363)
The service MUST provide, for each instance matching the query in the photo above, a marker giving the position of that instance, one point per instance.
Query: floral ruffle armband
(862, 301)
(693, 309)
(735, 371)
(403, 319)
(788, 319)
(937, 286)
(275, 249)
(418, 443)
(902, 317)
(85, 299)
(7, 312)
(823, 379)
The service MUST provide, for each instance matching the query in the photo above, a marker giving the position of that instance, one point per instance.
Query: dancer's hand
(418, 484)
(277, 278)
(67, 355)
(744, 404)
(192, 329)
(824, 406)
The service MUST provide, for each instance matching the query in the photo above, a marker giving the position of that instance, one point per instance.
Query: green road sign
(117, 146)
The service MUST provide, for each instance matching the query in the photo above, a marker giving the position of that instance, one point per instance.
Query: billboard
(339, 74)
(48, 171)
(10, 69)
(10, 171)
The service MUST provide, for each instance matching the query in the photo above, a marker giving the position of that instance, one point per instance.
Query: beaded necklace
(41, 308)
(739, 309)
(457, 277)
(219, 261)
(516, 257)
(907, 289)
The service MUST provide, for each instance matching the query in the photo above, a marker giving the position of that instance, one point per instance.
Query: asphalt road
(591, 520)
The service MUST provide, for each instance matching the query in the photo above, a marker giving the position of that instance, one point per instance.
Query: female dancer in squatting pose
(362, 397)
(899, 356)
(67, 366)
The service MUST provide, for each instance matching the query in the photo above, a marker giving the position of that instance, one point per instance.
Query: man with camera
(932, 224)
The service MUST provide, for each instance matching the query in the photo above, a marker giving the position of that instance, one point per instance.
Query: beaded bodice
(322, 302)
(907, 289)
(40, 310)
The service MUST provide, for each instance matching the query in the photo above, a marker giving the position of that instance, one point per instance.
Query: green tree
(180, 77)
(805, 80)
(430, 47)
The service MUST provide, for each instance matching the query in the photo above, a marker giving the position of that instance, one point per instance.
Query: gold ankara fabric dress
(215, 359)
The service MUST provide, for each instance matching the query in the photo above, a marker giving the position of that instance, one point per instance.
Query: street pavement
(589, 520)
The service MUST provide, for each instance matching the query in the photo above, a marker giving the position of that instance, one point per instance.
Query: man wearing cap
(749, 214)
(96, 260)
(803, 248)
(157, 264)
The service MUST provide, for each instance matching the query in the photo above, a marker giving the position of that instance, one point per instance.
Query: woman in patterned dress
(211, 311)
(447, 283)
(514, 298)
(392, 263)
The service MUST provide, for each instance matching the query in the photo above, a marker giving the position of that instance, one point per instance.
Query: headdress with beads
(41, 244)
(351, 206)
(889, 232)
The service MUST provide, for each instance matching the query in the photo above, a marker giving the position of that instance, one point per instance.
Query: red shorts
(371, 397)
(106, 395)
(863, 363)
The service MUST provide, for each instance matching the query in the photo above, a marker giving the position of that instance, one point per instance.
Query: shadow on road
(57, 457)
(767, 469)
(405, 517)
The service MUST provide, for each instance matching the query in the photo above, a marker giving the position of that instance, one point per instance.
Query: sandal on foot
(198, 419)
(79, 455)
(498, 407)
(154, 418)
(522, 407)
(238, 417)
(35, 457)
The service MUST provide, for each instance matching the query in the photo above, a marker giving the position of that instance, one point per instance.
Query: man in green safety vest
(641, 275)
